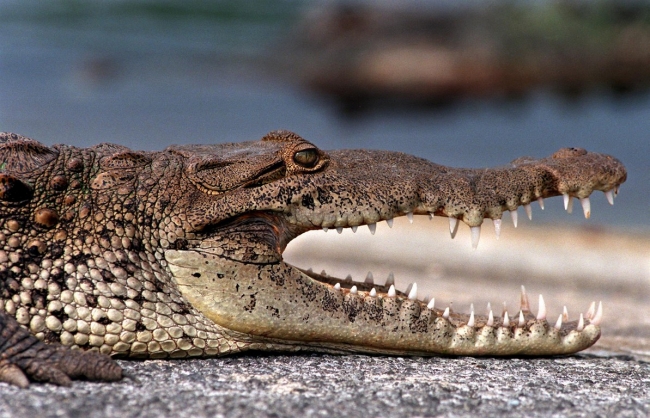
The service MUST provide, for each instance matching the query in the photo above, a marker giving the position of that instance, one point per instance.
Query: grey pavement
(350, 386)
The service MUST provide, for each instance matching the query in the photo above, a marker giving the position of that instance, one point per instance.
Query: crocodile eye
(306, 158)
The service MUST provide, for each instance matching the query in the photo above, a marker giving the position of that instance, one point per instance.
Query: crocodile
(108, 252)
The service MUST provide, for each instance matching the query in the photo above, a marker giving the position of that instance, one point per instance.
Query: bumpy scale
(179, 253)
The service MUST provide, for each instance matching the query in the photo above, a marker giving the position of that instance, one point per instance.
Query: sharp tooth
(390, 280)
(470, 323)
(325, 229)
(513, 215)
(476, 235)
(373, 293)
(339, 229)
(348, 278)
(529, 211)
(353, 290)
(610, 196)
(337, 286)
(490, 321)
(565, 314)
(389, 222)
(391, 291)
(489, 307)
(445, 314)
(568, 203)
(497, 227)
(369, 278)
(431, 304)
(586, 207)
(372, 227)
(540, 200)
(541, 313)
(506, 320)
(521, 319)
(525, 305)
(581, 323)
(413, 294)
(354, 228)
(409, 215)
(558, 324)
(598, 318)
(430, 215)
(453, 226)
(590, 312)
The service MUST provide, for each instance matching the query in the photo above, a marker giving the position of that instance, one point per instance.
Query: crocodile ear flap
(13, 189)
(23, 155)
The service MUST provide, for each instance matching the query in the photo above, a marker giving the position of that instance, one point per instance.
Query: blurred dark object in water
(365, 56)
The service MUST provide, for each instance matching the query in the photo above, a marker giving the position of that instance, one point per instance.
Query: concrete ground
(569, 267)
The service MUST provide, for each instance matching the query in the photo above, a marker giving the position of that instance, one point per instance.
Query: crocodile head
(242, 203)
(179, 252)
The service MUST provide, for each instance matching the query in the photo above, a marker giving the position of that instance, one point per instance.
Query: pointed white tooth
(372, 227)
(391, 291)
(353, 290)
(390, 280)
(586, 207)
(476, 235)
(348, 278)
(506, 320)
(373, 293)
(445, 314)
(598, 318)
(470, 323)
(558, 324)
(513, 215)
(610, 196)
(430, 215)
(337, 286)
(521, 319)
(490, 321)
(339, 229)
(369, 278)
(413, 294)
(529, 211)
(323, 273)
(568, 203)
(431, 304)
(453, 226)
(489, 307)
(591, 311)
(409, 215)
(524, 303)
(497, 227)
(389, 222)
(541, 313)
(581, 323)
(326, 229)
(565, 314)
(354, 228)
(540, 200)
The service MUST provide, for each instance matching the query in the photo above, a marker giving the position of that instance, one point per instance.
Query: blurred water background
(149, 74)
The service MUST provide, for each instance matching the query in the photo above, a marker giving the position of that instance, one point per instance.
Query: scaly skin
(179, 253)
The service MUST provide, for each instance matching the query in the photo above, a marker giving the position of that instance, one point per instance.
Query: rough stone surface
(351, 386)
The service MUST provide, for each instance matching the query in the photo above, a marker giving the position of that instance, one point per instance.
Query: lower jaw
(279, 301)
